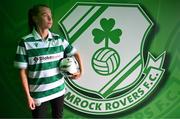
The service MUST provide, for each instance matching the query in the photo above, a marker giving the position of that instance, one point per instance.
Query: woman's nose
(49, 18)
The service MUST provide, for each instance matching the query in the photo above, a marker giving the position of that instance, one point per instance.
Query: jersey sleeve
(69, 50)
(21, 60)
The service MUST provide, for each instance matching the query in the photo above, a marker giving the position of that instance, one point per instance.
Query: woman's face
(43, 19)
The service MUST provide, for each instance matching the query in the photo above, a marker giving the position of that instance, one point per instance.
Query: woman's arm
(23, 77)
(78, 58)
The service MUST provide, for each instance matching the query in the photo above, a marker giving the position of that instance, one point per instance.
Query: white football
(69, 65)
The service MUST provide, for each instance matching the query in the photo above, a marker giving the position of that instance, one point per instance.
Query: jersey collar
(38, 37)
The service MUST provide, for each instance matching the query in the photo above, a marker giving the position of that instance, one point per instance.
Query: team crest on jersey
(110, 38)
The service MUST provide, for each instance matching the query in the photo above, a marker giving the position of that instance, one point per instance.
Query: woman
(38, 56)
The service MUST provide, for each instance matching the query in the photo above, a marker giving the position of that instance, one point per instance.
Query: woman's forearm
(23, 76)
(78, 58)
(24, 80)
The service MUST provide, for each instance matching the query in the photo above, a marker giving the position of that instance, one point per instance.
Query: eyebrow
(43, 13)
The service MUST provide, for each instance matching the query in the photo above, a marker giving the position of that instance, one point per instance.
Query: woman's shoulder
(57, 36)
(27, 37)
(24, 39)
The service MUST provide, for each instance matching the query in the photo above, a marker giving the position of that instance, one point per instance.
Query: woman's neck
(43, 33)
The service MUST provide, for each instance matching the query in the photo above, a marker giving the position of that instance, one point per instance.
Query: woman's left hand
(76, 75)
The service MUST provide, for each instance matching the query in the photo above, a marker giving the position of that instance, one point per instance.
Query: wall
(164, 36)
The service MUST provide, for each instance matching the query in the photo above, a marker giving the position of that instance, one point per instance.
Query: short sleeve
(21, 60)
(69, 50)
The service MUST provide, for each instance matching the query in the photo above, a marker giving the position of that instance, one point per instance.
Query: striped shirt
(41, 58)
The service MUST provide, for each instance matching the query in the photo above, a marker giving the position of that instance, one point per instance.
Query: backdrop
(164, 36)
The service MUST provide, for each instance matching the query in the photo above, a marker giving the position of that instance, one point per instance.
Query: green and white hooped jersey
(42, 58)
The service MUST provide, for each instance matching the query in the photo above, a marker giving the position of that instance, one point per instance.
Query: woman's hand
(76, 75)
(31, 103)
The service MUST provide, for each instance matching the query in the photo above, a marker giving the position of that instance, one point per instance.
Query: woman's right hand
(31, 103)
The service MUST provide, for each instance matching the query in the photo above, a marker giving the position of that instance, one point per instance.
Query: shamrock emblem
(106, 60)
(107, 33)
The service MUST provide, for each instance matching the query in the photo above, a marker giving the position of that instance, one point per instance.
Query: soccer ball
(69, 65)
(105, 61)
